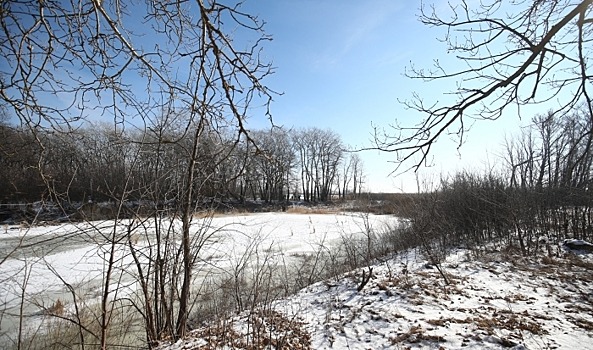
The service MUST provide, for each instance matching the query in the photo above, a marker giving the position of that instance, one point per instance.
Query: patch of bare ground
(291, 209)
(312, 210)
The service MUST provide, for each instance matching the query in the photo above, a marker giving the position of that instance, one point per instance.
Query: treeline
(541, 195)
(104, 163)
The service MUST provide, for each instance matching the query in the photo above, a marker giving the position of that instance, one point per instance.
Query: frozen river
(42, 264)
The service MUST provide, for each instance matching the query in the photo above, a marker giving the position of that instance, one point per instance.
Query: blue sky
(340, 65)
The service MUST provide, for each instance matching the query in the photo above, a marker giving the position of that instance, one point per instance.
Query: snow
(493, 302)
(577, 245)
(24, 231)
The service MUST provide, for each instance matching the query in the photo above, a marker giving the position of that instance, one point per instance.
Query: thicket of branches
(542, 195)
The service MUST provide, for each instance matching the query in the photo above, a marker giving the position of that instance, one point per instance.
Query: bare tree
(351, 173)
(272, 164)
(549, 166)
(63, 63)
(511, 54)
(320, 153)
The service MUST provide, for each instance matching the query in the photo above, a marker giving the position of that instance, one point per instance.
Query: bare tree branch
(540, 47)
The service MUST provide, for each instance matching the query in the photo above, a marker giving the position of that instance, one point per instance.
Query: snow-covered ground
(493, 302)
(39, 264)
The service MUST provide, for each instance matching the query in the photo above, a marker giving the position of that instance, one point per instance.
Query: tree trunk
(185, 240)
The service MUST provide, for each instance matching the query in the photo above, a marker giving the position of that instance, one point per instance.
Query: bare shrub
(59, 328)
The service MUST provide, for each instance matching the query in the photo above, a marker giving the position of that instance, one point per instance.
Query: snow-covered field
(493, 302)
(39, 264)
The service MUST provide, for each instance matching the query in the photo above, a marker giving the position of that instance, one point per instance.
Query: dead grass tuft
(57, 309)
(510, 322)
(582, 323)
(548, 260)
(517, 297)
(440, 322)
(416, 334)
(574, 260)
(265, 329)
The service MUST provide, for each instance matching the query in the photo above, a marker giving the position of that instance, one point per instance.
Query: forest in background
(100, 163)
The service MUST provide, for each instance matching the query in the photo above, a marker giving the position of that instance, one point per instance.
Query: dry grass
(582, 323)
(312, 210)
(416, 334)
(265, 329)
(211, 213)
(511, 322)
(56, 309)
(305, 210)
(494, 323)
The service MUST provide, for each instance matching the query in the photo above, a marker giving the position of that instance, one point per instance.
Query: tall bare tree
(319, 153)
